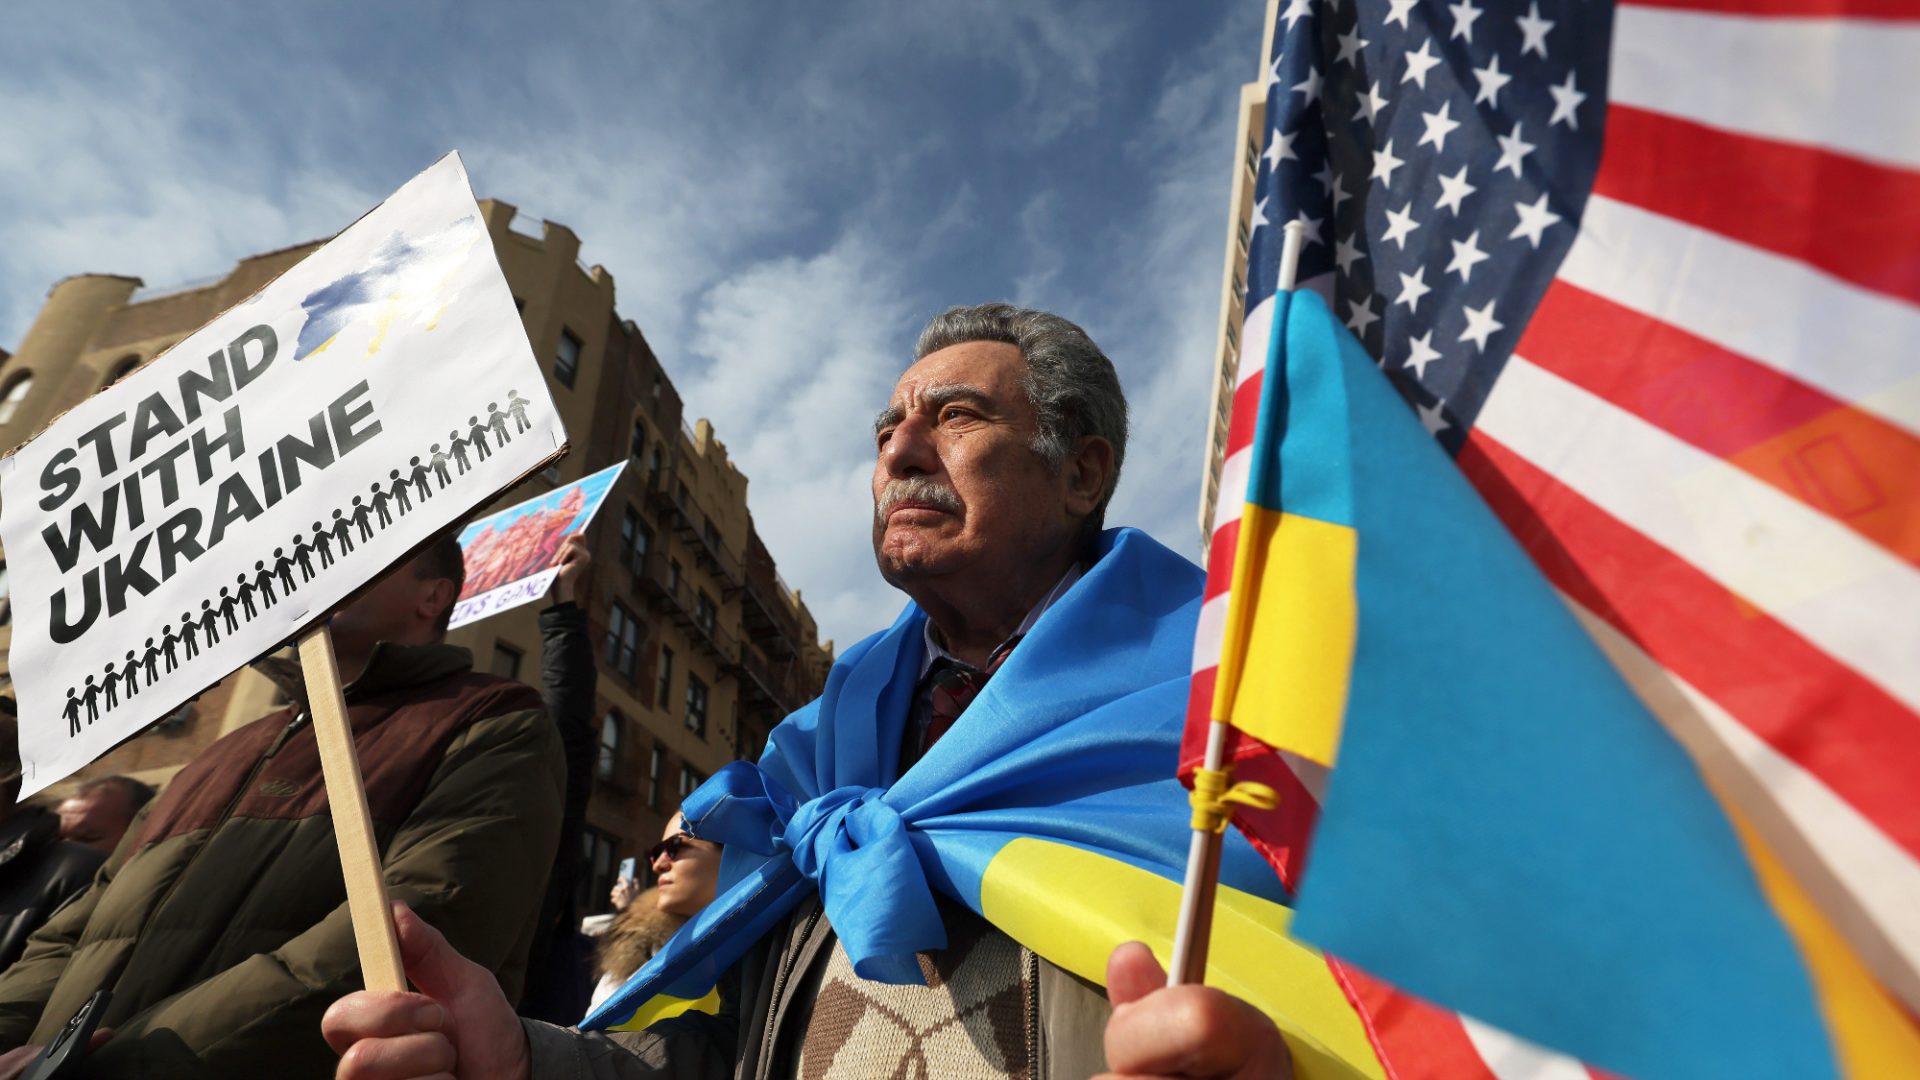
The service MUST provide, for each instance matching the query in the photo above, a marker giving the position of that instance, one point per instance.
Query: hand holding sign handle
(367, 900)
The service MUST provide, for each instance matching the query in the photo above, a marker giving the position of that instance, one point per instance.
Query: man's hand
(15, 1061)
(576, 570)
(461, 1026)
(1184, 1031)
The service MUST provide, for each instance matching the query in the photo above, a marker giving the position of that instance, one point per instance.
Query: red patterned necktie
(954, 687)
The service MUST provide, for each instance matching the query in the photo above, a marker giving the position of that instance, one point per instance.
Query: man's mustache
(914, 489)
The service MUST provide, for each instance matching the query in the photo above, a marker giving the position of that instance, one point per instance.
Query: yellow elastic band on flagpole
(1214, 798)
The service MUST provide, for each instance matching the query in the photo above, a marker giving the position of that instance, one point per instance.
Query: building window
(506, 661)
(566, 362)
(1245, 237)
(637, 445)
(655, 761)
(653, 467)
(689, 779)
(673, 576)
(1239, 291)
(696, 706)
(664, 693)
(597, 862)
(623, 639)
(17, 391)
(610, 731)
(1253, 156)
(703, 610)
(635, 540)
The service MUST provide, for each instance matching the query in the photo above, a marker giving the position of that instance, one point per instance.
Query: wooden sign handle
(373, 931)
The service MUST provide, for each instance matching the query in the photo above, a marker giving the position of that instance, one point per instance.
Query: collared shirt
(936, 651)
(914, 742)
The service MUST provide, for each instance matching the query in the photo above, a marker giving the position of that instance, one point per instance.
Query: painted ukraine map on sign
(214, 502)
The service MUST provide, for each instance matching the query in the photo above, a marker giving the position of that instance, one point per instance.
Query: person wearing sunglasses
(685, 871)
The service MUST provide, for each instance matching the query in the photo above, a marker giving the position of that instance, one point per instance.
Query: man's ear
(1088, 469)
(437, 597)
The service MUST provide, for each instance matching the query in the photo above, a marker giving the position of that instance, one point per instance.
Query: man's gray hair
(1069, 381)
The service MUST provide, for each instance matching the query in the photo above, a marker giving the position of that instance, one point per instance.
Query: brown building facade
(702, 647)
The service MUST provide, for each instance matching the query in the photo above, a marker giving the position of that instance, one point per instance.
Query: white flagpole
(1191, 934)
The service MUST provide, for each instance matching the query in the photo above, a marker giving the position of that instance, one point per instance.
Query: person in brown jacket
(220, 923)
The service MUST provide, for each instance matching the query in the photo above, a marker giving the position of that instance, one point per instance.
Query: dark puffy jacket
(39, 872)
(221, 923)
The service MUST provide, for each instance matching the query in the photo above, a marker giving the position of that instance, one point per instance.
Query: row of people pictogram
(332, 541)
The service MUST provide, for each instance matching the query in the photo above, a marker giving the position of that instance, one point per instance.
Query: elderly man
(861, 934)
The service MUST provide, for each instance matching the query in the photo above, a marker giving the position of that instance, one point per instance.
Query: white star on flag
(1297, 10)
(1350, 45)
(1512, 150)
(1310, 227)
(1481, 325)
(1492, 80)
(1384, 163)
(1431, 419)
(1361, 315)
(1412, 287)
(1419, 63)
(1309, 86)
(1259, 217)
(1422, 353)
(1399, 223)
(1397, 12)
(1371, 105)
(1533, 30)
(1463, 15)
(1453, 189)
(1467, 255)
(1565, 100)
(1280, 148)
(1534, 220)
(1346, 253)
(1439, 125)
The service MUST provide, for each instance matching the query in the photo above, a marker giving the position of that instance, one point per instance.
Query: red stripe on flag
(1773, 195)
(1220, 552)
(1245, 416)
(1847, 463)
(1822, 715)
(1415, 1040)
(1816, 9)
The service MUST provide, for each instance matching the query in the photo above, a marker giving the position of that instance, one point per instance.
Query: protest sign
(514, 555)
(206, 507)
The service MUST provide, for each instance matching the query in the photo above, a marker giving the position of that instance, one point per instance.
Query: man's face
(97, 818)
(401, 607)
(957, 486)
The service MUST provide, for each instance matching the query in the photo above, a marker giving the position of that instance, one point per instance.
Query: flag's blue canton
(1440, 156)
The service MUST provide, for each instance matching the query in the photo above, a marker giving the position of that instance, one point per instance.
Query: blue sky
(784, 193)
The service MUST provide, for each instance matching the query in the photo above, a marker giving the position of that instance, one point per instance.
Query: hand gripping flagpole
(1214, 793)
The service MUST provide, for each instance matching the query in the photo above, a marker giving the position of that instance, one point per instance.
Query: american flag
(1651, 272)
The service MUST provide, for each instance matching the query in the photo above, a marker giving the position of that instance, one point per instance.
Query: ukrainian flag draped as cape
(1051, 809)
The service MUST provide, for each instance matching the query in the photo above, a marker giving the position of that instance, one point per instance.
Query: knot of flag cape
(879, 901)
(1050, 809)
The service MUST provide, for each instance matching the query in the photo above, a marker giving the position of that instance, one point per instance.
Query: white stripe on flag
(1855, 345)
(1512, 1058)
(1211, 631)
(1254, 335)
(1774, 551)
(1231, 499)
(1879, 878)
(1840, 83)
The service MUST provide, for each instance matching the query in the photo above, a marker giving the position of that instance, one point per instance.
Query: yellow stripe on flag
(1872, 1035)
(1287, 652)
(1073, 907)
(664, 1006)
